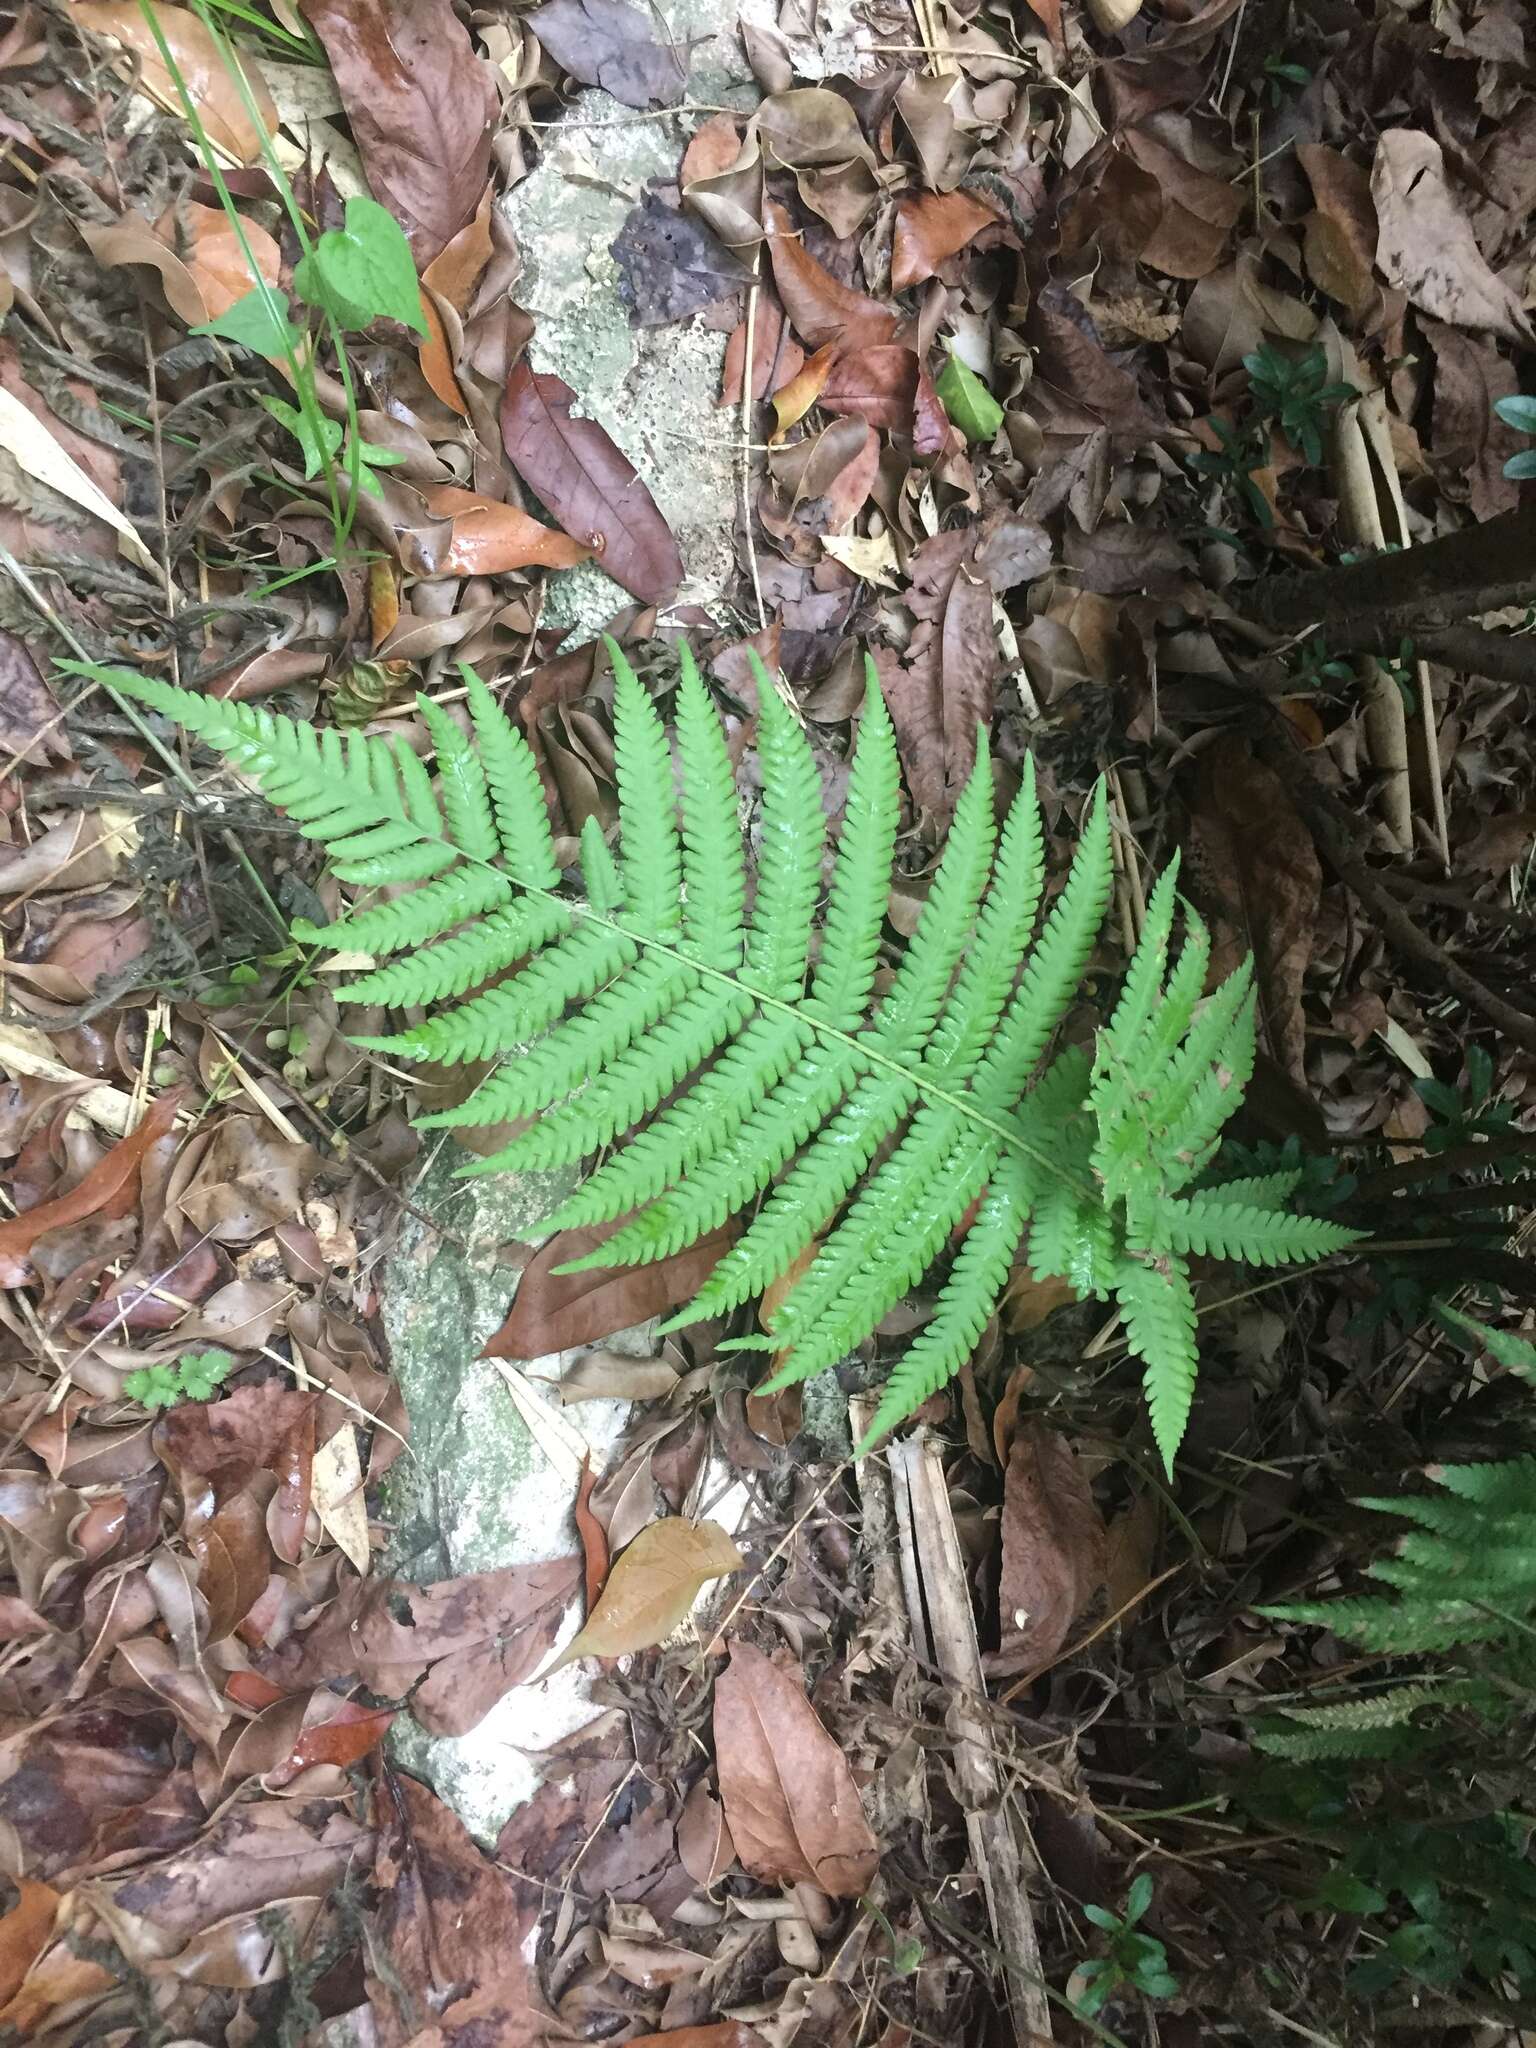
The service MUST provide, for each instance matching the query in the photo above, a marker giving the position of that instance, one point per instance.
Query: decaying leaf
(790, 1801)
(1053, 1549)
(650, 1588)
(1256, 872)
(594, 491)
(703, 1839)
(930, 228)
(455, 1647)
(1425, 244)
(464, 1966)
(611, 44)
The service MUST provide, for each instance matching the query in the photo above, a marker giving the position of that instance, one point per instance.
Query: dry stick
(1440, 583)
(1335, 841)
(918, 1482)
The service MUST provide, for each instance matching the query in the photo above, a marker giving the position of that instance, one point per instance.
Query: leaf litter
(1003, 306)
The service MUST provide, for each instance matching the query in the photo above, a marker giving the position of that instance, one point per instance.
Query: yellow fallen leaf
(651, 1588)
(23, 435)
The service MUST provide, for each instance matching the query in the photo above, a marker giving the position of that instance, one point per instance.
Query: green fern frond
(1324, 1745)
(1159, 1308)
(1219, 1228)
(1389, 1709)
(900, 1123)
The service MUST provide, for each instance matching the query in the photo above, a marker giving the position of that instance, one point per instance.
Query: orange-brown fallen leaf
(214, 92)
(651, 1588)
(790, 1800)
(105, 1180)
(930, 228)
(24, 1933)
(1053, 1549)
(489, 537)
(594, 1537)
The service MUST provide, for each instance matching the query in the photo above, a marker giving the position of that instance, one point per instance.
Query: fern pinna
(865, 1122)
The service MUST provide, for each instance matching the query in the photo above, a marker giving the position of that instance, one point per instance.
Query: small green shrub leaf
(968, 402)
(363, 271)
(258, 322)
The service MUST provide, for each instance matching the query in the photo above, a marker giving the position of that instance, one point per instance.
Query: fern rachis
(793, 1079)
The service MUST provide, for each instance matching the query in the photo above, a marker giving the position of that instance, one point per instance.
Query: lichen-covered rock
(654, 390)
(477, 1491)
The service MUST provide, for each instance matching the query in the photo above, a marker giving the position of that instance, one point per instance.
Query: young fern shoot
(866, 1123)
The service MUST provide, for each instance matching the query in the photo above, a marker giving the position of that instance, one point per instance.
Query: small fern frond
(860, 1111)
(1159, 1309)
(1218, 1228)
(1326, 1745)
(1389, 1709)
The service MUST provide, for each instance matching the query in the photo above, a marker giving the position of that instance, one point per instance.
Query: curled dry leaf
(1425, 244)
(594, 491)
(819, 308)
(790, 1801)
(489, 537)
(651, 1588)
(27, 438)
(213, 91)
(557, 1311)
(106, 1179)
(1053, 1549)
(594, 1537)
(422, 105)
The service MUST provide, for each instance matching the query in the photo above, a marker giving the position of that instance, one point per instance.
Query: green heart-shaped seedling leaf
(363, 271)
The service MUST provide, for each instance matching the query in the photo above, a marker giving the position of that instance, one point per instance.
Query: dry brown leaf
(576, 469)
(1255, 870)
(794, 399)
(459, 1967)
(1053, 1549)
(594, 1537)
(422, 105)
(1197, 214)
(1425, 245)
(651, 1588)
(703, 1840)
(1339, 236)
(213, 91)
(790, 1801)
(819, 308)
(776, 359)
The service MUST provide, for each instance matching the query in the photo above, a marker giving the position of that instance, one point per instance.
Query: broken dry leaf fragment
(790, 1801)
(651, 1588)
